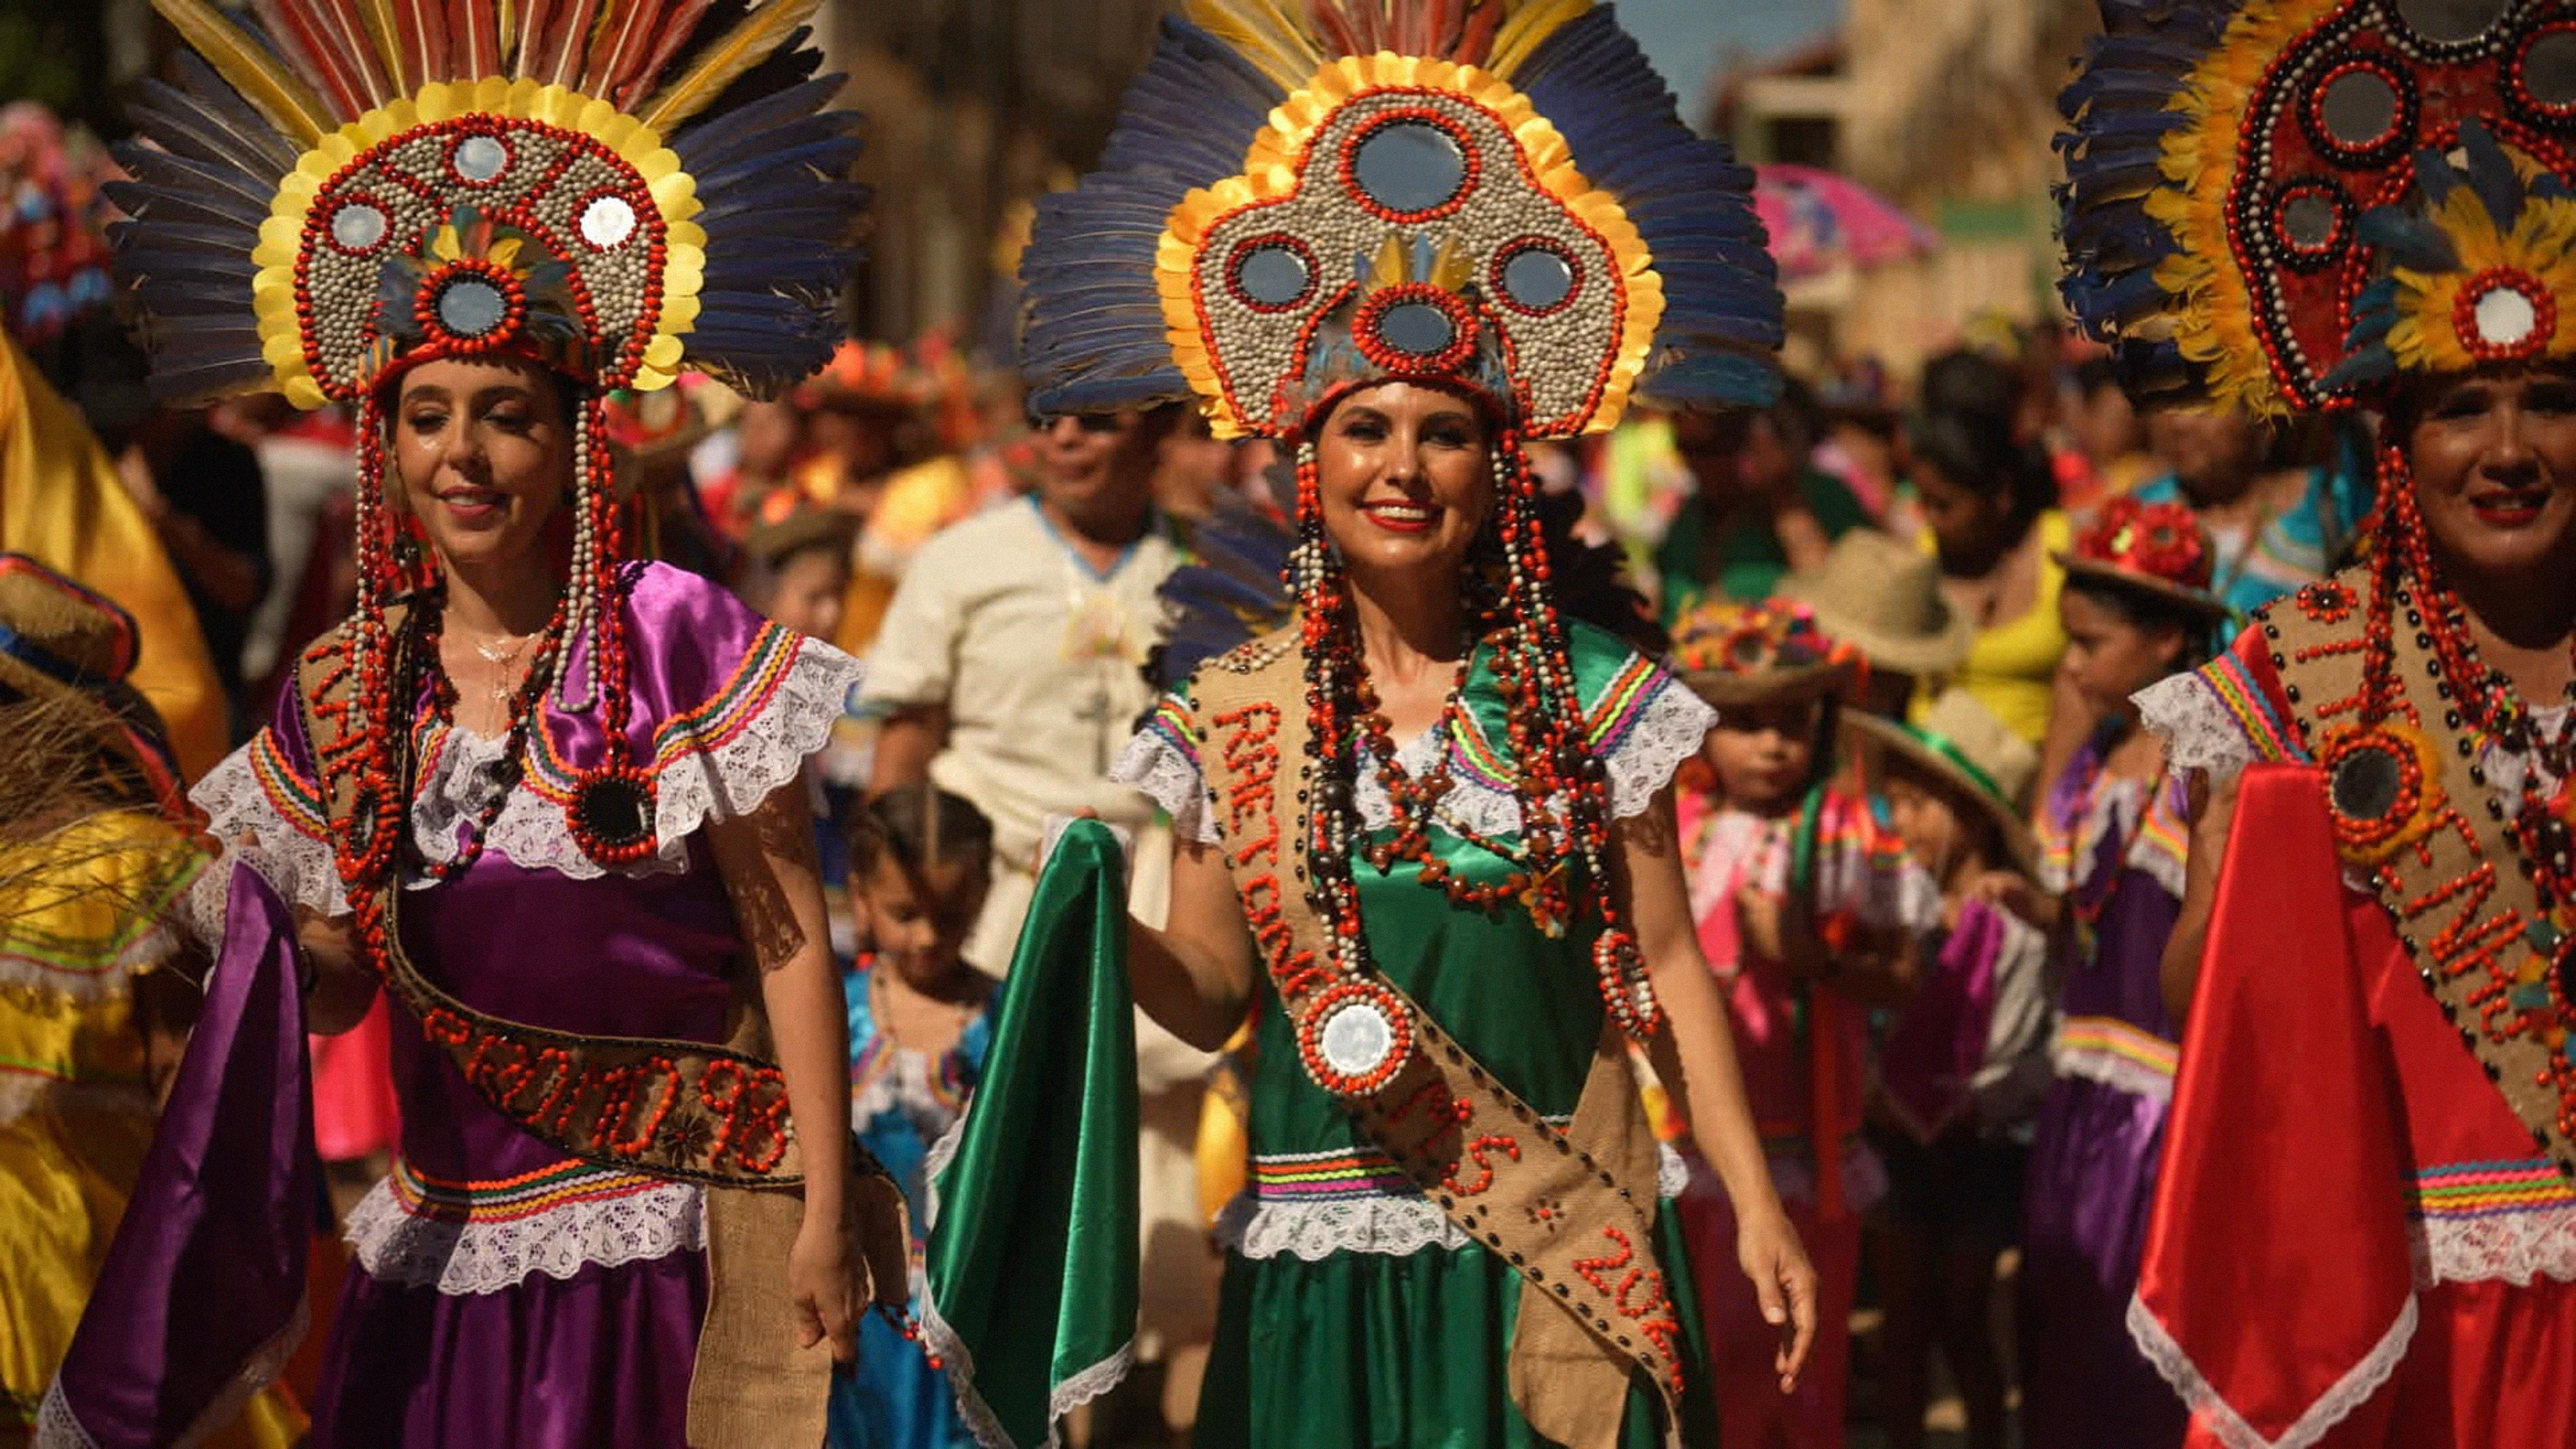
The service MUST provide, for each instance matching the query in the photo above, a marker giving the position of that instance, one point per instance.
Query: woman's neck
(513, 598)
(1410, 621)
(2521, 625)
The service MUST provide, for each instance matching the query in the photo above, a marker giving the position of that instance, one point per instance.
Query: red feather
(420, 38)
(474, 40)
(620, 45)
(526, 40)
(566, 39)
(675, 33)
(1475, 43)
(325, 41)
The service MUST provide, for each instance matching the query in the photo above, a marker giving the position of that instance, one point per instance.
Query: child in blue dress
(920, 1023)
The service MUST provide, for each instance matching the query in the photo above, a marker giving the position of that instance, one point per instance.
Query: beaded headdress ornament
(2246, 215)
(616, 189)
(1493, 197)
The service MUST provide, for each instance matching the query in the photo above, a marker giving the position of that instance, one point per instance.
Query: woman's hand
(824, 1282)
(1784, 1282)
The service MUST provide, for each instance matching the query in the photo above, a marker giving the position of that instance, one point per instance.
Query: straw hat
(1962, 742)
(1884, 599)
(2154, 548)
(1730, 653)
(60, 642)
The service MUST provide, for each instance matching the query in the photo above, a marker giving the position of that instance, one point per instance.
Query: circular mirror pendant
(357, 226)
(1416, 327)
(2547, 75)
(607, 221)
(1273, 274)
(2367, 782)
(1409, 168)
(2448, 22)
(611, 815)
(1355, 1038)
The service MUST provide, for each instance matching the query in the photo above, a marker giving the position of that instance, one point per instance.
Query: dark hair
(1978, 451)
(2145, 609)
(916, 826)
(2094, 374)
(1589, 580)
(1983, 829)
(1795, 417)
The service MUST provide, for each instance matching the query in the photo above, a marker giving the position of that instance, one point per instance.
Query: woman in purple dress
(540, 797)
(2135, 606)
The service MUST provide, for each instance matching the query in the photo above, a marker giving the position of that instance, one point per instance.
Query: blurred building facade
(1948, 109)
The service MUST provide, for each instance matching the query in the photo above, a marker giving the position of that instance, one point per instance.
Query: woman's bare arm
(1695, 1056)
(1194, 976)
(2213, 810)
(766, 858)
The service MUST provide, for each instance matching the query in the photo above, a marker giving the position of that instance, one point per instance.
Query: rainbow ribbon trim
(510, 1199)
(1328, 1176)
(2456, 1191)
(2110, 1037)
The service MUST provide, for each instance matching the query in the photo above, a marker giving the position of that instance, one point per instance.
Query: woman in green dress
(1426, 837)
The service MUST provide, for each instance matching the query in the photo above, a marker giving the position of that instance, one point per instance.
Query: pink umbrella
(1820, 221)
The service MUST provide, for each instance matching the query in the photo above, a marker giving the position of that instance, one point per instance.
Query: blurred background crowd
(1945, 443)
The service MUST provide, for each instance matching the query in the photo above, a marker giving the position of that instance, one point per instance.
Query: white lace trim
(2221, 1418)
(250, 830)
(396, 1246)
(1388, 1224)
(1155, 766)
(1669, 730)
(2199, 730)
(1063, 1397)
(2098, 1064)
(56, 1426)
(2507, 1247)
(21, 1096)
(695, 787)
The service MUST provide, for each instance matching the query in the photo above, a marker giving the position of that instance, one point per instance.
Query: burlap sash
(1559, 1206)
(714, 1115)
(2457, 895)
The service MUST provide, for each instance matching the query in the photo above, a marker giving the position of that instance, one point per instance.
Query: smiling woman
(2376, 947)
(540, 795)
(1426, 844)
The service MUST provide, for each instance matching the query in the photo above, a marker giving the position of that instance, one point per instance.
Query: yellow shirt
(2012, 667)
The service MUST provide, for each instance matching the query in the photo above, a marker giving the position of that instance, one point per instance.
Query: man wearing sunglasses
(1007, 669)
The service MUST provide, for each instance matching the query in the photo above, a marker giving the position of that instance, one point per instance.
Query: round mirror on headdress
(1497, 196)
(2263, 136)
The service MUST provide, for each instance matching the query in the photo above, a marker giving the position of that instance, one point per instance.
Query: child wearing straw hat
(2137, 607)
(1806, 911)
(1962, 1071)
(1883, 598)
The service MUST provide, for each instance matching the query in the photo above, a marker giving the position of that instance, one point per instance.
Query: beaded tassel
(611, 812)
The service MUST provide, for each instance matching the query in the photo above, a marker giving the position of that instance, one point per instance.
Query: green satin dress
(1340, 1326)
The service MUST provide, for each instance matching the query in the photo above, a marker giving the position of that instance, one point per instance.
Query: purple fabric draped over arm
(202, 1294)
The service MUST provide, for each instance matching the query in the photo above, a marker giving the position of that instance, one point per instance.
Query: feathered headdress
(616, 189)
(2228, 161)
(1304, 194)
(609, 186)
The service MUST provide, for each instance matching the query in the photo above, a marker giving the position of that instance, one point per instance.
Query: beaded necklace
(1560, 786)
(428, 614)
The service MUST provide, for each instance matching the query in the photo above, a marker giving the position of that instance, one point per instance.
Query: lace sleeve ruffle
(1162, 762)
(2199, 730)
(724, 762)
(265, 815)
(1648, 737)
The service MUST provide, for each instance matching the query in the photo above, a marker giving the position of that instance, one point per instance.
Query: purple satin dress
(503, 1293)
(2092, 1175)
